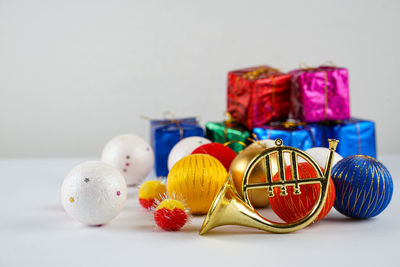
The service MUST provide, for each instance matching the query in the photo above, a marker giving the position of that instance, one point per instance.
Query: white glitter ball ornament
(184, 148)
(320, 154)
(131, 155)
(94, 193)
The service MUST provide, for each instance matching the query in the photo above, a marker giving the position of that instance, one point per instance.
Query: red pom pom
(293, 207)
(222, 153)
(147, 203)
(170, 220)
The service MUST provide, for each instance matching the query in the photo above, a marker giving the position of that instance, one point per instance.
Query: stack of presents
(304, 108)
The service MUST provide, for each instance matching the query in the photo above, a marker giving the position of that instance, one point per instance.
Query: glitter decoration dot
(128, 157)
(71, 199)
(118, 193)
(127, 164)
(124, 170)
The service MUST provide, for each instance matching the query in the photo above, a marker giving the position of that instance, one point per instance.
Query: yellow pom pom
(150, 192)
(196, 179)
(171, 204)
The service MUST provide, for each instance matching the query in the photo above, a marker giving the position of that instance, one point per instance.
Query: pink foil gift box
(320, 94)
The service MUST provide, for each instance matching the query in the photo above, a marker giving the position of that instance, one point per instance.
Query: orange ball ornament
(150, 192)
(293, 207)
(196, 179)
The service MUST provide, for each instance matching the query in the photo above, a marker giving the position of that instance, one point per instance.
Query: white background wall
(75, 73)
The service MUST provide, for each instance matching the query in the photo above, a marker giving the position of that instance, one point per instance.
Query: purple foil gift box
(320, 94)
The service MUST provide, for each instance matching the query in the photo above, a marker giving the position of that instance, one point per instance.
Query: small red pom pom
(222, 153)
(293, 207)
(147, 203)
(170, 215)
(170, 220)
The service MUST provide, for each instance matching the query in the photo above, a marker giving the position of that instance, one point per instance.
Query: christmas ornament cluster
(304, 108)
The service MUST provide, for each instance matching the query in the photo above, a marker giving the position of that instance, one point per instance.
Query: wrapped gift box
(297, 135)
(356, 137)
(222, 132)
(320, 94)
(165, 134)
(258, 95)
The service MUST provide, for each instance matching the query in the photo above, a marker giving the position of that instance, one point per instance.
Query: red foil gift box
(258, 95)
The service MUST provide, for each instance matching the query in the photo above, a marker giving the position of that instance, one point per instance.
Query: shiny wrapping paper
(165, 134)
(222, 132)
(356, 137)
(320, 94)
(258, 95)
(302, 137)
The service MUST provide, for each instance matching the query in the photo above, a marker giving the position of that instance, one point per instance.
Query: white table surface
(35, 231)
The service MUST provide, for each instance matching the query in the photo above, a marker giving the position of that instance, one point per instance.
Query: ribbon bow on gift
(291, 124)
(229, 121)
(254, 74)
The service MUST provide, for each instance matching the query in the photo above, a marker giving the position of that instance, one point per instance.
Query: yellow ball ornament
(196, 179)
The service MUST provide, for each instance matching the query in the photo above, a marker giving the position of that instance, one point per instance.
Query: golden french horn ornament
(229, 208)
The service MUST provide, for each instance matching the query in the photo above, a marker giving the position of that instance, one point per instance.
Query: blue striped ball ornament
(364, 186)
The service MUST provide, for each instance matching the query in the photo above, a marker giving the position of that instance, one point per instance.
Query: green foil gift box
(223, 132)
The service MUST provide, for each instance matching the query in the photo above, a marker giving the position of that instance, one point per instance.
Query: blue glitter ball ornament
(364, 187)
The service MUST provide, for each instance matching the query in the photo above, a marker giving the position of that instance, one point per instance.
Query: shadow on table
(337, 217)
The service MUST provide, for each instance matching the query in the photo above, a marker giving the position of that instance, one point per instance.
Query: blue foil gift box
(356, 137)
(165, 134)
(297, 135)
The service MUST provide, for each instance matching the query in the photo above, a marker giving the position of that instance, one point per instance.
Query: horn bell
(229, 209)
